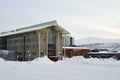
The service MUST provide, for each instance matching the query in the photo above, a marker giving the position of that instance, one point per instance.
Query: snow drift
(76, 68)
(43, 60)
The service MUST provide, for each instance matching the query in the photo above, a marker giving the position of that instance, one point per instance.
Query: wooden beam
(39, 47)
(58, 42)
(38, 33)
(47, 42)
(64, 46)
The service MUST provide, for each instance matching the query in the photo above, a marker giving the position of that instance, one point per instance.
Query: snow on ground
(76, 68)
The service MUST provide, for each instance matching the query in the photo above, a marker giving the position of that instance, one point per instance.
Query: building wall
(31, 45)
(53, 42)
(3, 44)
(76, 52)
(15, 43)
(26, 44)
(69, 41)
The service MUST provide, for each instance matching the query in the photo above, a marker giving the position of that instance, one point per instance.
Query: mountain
(99, 43)
(92, 40)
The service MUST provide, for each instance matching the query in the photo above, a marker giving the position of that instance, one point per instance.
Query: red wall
(76, 52)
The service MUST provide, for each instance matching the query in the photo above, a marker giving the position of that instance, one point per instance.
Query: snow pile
(1, 59)
(76, 68)
(102, 61)
(2, 63)
(4, 66)
(79, 60)
(43, 60)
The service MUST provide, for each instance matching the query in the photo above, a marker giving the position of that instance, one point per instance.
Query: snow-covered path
(76, 68)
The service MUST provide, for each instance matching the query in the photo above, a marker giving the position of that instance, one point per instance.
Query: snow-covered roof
(104, 52)
(75, 47)
(34, 28)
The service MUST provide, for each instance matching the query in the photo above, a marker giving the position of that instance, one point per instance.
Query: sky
(82, 18)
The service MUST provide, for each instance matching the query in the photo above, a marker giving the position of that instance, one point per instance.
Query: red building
(76, 51)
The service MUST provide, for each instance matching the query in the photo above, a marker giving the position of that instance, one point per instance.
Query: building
(76, 51)
(104, 54)
(69, 41)
(35, 41)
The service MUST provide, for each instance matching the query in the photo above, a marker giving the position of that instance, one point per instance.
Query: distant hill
(99, 43)
(95, 40)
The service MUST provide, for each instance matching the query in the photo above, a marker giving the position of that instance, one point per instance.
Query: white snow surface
(104, 52)
(76, 68)
(93, 40)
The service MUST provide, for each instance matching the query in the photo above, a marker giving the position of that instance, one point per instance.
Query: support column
(64, 46)
(39, 35)
(24, 45)
(58, 34)
(47, 42)
(38, 43)
(32, 36)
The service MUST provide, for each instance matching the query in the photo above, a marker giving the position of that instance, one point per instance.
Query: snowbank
(79, 60)
(43, 60)
(76, 68)
(1, 59)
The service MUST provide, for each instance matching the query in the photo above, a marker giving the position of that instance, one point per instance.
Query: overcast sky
(82, 18)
